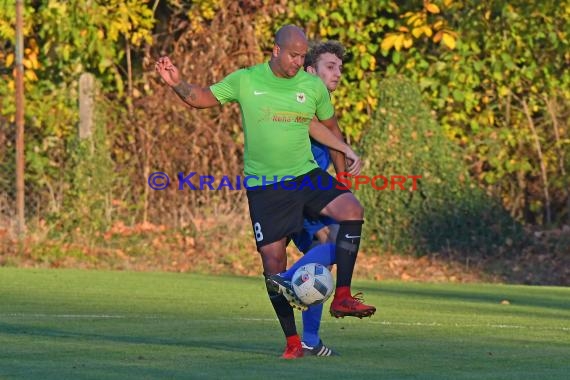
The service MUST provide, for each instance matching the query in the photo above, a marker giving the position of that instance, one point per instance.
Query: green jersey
(276, 113)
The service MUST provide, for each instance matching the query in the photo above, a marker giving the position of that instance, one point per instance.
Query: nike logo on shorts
(351, 237)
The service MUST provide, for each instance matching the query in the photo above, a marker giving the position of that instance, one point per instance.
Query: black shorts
(277, 210)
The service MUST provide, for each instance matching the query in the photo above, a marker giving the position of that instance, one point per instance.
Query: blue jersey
(321, 154)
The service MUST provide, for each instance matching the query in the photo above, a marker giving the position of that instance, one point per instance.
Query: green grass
(70, 324)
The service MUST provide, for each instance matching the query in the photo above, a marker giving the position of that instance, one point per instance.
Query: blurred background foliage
(492, 76)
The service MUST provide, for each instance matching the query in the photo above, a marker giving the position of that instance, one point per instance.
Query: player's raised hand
(354, 163)
(167, 71)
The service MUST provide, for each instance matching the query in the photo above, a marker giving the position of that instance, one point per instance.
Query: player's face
(329, 69)
(290, 57)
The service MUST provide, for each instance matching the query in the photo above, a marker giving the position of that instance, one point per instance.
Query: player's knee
(360, 211)
(355, 211)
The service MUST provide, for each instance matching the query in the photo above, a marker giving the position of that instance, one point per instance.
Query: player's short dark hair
(319, 48)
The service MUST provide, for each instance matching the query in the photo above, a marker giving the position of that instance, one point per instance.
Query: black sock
(347, 243)
(284, 312)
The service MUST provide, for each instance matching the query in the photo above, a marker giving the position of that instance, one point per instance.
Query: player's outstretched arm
(194, 96)
(322, 134)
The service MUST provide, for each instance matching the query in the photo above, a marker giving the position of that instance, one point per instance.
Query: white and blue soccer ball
(313, 283)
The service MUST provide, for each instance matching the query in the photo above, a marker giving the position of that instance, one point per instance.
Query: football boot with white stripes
(319, 350)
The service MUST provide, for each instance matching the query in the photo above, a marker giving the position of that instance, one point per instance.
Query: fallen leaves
(222, 246)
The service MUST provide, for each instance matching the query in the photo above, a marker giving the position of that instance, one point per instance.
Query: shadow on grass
(549, 303)
(183, 341)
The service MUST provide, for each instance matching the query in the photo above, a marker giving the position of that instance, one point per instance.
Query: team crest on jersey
(301, 97)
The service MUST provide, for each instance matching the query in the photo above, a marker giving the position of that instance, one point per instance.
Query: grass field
(70, 324)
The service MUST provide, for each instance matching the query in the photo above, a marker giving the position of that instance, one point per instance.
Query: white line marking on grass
(426, 324)
(75, 316)
(69, 316)
(494, 326)
(225, 320)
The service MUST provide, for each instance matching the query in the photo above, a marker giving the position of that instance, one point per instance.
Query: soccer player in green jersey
(278, 102)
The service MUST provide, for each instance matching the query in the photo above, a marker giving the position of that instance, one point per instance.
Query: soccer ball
(313, 283)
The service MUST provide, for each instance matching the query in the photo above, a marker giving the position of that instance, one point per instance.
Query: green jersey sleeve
(228, 89)
(325, 109)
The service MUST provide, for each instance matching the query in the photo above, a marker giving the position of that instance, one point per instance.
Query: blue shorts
(304, 239)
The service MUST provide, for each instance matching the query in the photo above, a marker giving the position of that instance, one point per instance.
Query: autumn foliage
(493, 75)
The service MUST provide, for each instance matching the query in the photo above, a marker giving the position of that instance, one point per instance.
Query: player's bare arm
(193, 95)
(323, 135)
(337, 158)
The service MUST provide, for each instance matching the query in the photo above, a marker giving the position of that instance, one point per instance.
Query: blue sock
(311, 325)
(323, 254)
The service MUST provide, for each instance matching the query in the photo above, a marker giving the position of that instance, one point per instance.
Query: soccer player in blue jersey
(324, 59)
